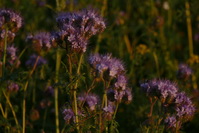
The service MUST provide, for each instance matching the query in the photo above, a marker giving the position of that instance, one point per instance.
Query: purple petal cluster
(76, 28)
(31, 61)
(89, 100)
(102, 63)
(119, 95)
(184, 106)
(121, 82)
(108, 112)
(11, 55)
(163, 89)
(69, 115)
(184, 72)
(170, 122)
(11, 20)
(40, 41)
(10, 37)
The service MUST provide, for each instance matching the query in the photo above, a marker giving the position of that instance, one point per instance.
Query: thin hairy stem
(75, 93)
(12, 109)
(24, 98)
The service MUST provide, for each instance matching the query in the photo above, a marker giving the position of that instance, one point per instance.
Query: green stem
(189, 28)
(156, 63)
(24, 98)
(114, 115)
(58, 62)
(2, 110)
(5, 51)
(75, 93)
(12, 109)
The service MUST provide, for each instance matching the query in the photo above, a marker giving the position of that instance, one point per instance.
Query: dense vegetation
(99, 66)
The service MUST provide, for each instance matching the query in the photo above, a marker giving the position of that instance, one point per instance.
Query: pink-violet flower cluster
(76, 28)
(40, 41)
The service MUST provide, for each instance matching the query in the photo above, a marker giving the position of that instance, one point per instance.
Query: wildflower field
(99, 66)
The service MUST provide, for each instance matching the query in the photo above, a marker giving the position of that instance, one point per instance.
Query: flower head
(184, 72)
(184, 106)
(69, 115)
(163, 89)
(108, 112)
(102, 63)
(127, 96)
(76, 28)
(11, 20)
(121, 82)
(89, 100)
(170, 121)
(40, 41)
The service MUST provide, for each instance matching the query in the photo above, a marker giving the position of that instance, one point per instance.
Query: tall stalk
(75, 94)
(58, 62)
(189, 28)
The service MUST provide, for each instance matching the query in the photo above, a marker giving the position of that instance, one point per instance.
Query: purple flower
(10, 36)
(127, 96)
(184, 106)
(31, 61)
(119, 95)
(69, 116)
(89, 100)
(184, 72)
(12, 87)
(78, 27)
(40, 41)
(163, 89)
(170, 122)
(11, 55)
(10, 19)
(108, 112)
(121, 82)
(102, 63)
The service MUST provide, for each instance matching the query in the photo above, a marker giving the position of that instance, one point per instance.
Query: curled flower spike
(127, 96)
(69, 116)
(89, 100)
(163, 89)
(31, 61)
(184, 106)
(76, 28)
(121, 82)
(11, 55)
(102, 63)
(40, 41)
(184, 72)
(10, 19)
(108, 112)
(170, 122)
